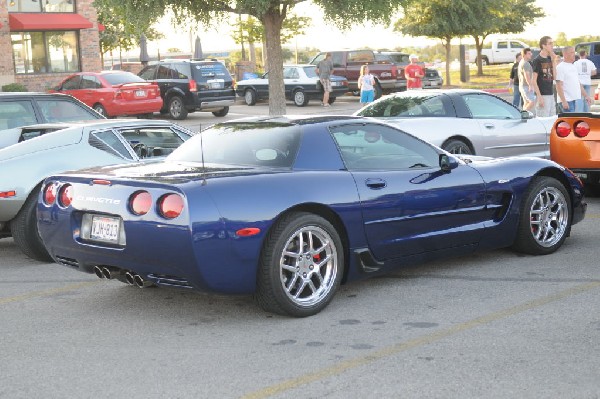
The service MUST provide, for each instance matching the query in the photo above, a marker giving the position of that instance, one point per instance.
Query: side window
(148, 73)
(182, 71)
(377, 147)
(290, 73)
(502, 45)
(72, 83)
(64, 111)
(90, 82)
(483, 106)
(16, 114)
(108, 141)
(320, 57)
(516, 45)
(337, 59)
(153, 141)
(361, 56)
(596, 50)
(164, 72)
(406, 107)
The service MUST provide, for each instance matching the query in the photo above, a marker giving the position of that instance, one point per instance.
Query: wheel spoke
(297, 294)
(292, 283)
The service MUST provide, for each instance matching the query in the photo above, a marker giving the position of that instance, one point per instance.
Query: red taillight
(65, 195)
(50, 193)
(140, 203)
(563, 129)
(193, 85)
(582, 129)
(170, 206)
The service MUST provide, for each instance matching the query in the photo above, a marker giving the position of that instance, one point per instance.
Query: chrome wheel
(308, 266)
(549, 217)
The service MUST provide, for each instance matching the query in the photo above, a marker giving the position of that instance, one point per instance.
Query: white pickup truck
(501, 51)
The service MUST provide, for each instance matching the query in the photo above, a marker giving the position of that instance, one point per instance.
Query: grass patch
(494, 77)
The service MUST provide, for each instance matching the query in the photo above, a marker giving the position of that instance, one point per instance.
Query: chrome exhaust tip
(130, 278)
(140, 282)
(111, 272)
(98, 272)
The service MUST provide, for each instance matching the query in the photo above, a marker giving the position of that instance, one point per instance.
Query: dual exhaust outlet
(126, 276)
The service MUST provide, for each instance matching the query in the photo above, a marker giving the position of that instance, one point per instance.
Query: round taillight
(50, 193)
(65, 195)
(170, 206)
(140, 203)
(563, 129)
(582, 129)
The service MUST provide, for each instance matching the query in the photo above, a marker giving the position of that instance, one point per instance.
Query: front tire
(300, 98)
(302, 264)
(545, 219)
(25, 232)
(250, 97)
(177, 109)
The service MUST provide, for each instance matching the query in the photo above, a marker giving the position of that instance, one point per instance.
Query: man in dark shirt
(514, 81)
(544, 71)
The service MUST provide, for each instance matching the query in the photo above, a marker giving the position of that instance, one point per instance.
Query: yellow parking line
(36, 294)
(391, 350)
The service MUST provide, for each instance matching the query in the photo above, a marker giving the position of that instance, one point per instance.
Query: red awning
(47, 21)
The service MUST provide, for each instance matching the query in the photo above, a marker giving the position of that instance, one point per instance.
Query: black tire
(331, 100)
(101, 110)
(545, 218)
(250, 97)
(378, 91)
(300, 98)
(310, 288)
(221, 112)
(457, 146)
(24, 230)
(177, 109)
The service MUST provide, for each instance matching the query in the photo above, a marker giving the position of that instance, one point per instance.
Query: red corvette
(113, 93)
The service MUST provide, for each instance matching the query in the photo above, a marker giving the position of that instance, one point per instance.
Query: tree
(272, 14)
(438, 19)
(498, 16)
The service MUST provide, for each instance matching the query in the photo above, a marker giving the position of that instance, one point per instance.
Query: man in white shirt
(585, 69)
(568, 87)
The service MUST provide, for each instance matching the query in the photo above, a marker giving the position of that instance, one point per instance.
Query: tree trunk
(272, 21)
(448, 46)
(479, 47)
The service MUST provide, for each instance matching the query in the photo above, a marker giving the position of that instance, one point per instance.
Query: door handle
(375, 184)
(489, 125)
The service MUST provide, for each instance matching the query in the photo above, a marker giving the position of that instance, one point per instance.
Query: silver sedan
(465, 122)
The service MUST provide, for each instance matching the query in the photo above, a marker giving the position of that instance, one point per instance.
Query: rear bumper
(134, 107)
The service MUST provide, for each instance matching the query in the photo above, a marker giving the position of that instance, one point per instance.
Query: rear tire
(250, 97)
(24, 230)
(101, 110)
(300, 98)
(177, 109)
(221, 112)
(456, 146)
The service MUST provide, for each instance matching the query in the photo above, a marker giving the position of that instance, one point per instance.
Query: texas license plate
(140, 93)
(105, 228)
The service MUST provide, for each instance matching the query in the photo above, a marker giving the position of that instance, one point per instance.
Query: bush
(14, 87)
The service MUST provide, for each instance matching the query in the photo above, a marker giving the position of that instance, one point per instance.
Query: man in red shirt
(413, 73)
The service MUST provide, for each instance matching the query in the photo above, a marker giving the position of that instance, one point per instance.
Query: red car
(113, 93)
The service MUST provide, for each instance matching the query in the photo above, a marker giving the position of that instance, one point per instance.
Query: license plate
(434, 83)
(105, 228)
(336, 83)
(140, 93)
(215, 83)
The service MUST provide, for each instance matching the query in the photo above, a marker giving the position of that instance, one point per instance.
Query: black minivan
(192, 85)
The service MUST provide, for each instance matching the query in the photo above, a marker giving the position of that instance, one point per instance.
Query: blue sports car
(288, 208)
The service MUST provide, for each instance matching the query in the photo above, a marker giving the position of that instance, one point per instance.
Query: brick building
(43, 41)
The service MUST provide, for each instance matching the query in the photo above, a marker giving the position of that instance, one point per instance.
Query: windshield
(270, 144)
(121, 78)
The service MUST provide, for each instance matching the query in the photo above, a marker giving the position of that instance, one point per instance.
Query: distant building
(43, 41)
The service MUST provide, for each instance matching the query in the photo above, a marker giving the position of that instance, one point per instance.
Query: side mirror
(447, 163)
(526, 115)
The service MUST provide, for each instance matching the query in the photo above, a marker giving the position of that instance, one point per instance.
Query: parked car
(113, 93)
(301, 85)
(41, 153)
(572, 144)
(21, 109)
(288, 208)
(498, 51)
(432, 78)
(192, 85)
(465, 121)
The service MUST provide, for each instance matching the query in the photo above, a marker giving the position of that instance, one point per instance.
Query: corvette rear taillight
(581, 129)
(50, 194)
(65, 195)
(193, 85)
(563, 129)
(170, 206)
(140, 203)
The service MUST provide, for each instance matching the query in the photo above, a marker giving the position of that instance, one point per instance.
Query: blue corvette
(288, 208)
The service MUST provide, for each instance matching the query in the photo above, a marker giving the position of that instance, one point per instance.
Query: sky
(576, 19)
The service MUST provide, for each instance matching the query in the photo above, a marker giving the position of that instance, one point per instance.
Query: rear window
(205, 71)
(268, 144)
(65, 111)
(121, 78)
(15, 113)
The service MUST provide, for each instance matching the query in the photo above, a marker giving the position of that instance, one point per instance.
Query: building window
(41, 6)
(45, 52)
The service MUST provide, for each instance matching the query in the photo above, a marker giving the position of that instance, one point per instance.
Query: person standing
(570, 91)
(585, 70)
(324, 70)
(544, 71)
(525, 73)
(514, 81)
(366, 84)
(413, 73)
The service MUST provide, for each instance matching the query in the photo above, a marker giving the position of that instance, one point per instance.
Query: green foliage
(12, 87)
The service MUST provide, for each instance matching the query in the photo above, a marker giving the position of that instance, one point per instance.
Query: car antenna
(202, 156)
